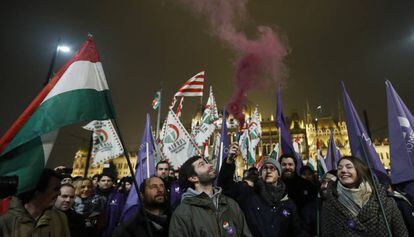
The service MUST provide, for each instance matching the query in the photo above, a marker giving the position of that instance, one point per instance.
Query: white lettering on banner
(407, 130)
(367, 139)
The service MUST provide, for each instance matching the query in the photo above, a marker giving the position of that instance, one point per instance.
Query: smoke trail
(258, 59)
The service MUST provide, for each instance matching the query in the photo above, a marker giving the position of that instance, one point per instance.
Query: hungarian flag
(157, 100)
(77, 93)
(193, 87)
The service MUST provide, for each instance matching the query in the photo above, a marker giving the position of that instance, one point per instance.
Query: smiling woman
(352, 209)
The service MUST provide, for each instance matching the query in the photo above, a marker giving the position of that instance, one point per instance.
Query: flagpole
(88, 158)
(316, 168)
(147, 160)
(131, 170)
(374, 178)
(157, 135)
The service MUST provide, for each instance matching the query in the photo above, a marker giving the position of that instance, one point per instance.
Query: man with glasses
(268, 209)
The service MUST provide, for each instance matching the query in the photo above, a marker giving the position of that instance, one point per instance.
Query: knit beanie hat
(273, 162)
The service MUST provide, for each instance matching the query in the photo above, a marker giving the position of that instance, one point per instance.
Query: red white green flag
(78, 93)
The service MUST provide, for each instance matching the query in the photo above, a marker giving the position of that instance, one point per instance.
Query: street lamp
(63, 48)
(59, 48)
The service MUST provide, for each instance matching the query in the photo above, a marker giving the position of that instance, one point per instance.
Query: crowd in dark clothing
(273, 200)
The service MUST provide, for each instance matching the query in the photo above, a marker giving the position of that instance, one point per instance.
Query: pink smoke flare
(258, 59)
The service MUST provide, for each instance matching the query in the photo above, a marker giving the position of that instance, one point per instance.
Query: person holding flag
(268, 209)
(204, 209)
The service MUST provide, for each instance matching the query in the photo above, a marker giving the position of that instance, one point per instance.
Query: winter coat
(173, 192)
(137, 226)
(18, 222)
(113, 209)
(201, 215)
(76, 224)
(407, 211)
(337, 220)
(301, 191)
(263, 219)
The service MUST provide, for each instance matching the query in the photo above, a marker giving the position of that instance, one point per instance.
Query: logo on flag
(106, 143)
(176, 144)
(208, 119)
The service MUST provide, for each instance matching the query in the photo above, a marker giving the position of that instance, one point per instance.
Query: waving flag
(322, 169)
(180, 108)
(193, 87)
(285, 137)
(106, 143)
(255, 129)
(208, 119)
(77, 93)
(157, 100)
(246, 148)
(401, 137)
(359, 141)
(144, 169)
(332, 154)
(176, 144)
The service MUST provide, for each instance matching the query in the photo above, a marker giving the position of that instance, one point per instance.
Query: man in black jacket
(152, 193)
(268, 209)
(300, 190)
(64, 203)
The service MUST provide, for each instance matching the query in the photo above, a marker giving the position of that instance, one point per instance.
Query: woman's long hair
(361, 168)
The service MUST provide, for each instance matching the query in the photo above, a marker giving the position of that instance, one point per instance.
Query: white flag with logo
(176, 144)
(106, 143)
(207, 123)
(255, 129)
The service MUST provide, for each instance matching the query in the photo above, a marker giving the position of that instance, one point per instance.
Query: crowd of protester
(271, 200)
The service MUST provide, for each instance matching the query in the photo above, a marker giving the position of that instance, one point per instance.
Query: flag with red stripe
(180, 108)
(77, 93)
(193, 87)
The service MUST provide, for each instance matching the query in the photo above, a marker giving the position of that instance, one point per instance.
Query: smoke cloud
(258, 59)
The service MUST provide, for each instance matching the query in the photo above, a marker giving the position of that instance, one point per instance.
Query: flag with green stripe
(77, 93)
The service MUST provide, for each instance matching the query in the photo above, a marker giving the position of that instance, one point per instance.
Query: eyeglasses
(269, 168)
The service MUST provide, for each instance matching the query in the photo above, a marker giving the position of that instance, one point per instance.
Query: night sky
(145, 42)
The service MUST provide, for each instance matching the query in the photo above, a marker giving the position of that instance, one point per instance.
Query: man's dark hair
(144, 184)
(100, 176)
(162, 162)
(252, 174)
(186, 171)
(286, 155)
(305, 168)
(42, 185)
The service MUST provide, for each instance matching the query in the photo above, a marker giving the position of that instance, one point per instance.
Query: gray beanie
(273, 162)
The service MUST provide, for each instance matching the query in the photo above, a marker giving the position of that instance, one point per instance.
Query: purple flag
(332, 154)
(359, 141)
(401, 138)
(285, 137)
(224, 142)
(145, 168)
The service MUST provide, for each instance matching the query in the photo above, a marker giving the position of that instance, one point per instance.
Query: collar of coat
(192, 197)
(17, 209)
(368, 212)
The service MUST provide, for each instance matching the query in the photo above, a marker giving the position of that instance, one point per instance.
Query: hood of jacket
(195, 198)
